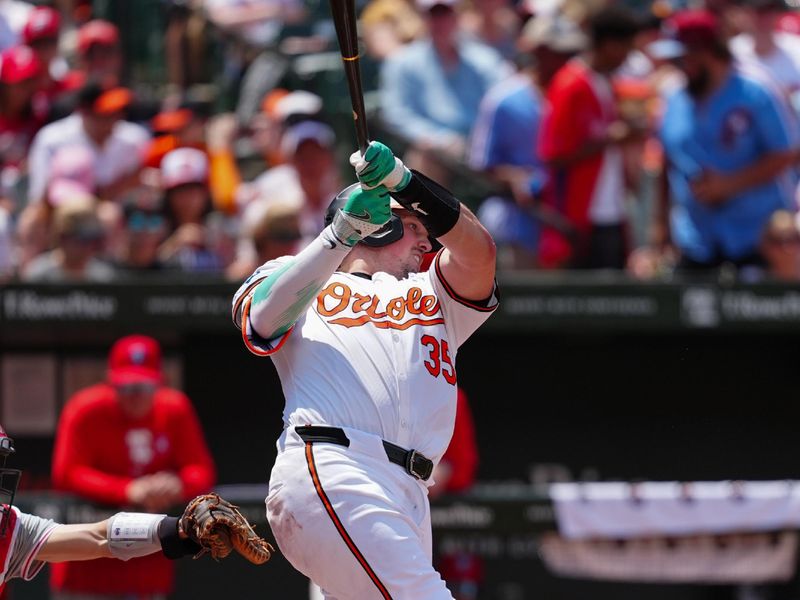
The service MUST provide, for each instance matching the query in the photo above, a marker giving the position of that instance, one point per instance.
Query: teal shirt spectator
(421, 99)
(736, 126)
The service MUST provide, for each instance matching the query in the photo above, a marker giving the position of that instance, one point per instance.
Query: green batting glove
(379, 166)
(364, 213)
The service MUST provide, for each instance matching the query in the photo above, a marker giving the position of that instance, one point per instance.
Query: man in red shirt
(580, 140)
(20, 114)
(129, 442)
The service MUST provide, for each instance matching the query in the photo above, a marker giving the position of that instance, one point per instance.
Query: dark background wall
(647, 406)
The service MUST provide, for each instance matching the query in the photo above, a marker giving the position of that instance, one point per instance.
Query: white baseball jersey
(377, 355)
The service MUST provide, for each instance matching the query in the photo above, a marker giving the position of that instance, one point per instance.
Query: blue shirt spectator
(505, 133)
(507, 126)
(423, 100)
(738, 124)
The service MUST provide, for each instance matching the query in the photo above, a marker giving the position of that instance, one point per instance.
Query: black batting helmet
(388, 234)
(9, 480)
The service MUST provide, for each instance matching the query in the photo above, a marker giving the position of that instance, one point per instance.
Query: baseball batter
(365, 347)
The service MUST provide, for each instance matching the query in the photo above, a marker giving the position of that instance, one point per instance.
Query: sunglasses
(135, 388)
(142, 221)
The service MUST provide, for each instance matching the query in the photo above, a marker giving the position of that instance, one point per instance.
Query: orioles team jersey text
(405, 333)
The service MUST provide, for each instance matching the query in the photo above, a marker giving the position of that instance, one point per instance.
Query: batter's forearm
(281, 298)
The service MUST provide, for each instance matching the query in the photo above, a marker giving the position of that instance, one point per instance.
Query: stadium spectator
(183, 44)
(41, 34)
(431, 89)
(309, 180)
(178, 127)
(581, 139)
(762, 47)
(144, 227)
(495, 23)
(13, 16)
(20, 117)
(188, 207)
(79, 236)
(780, 247)
(276, 234)
(504, 139)
(99, 54)
(387, 26)
(98, 123)
(72, 173)
(280, 110)
(727, 138)
(128, 442)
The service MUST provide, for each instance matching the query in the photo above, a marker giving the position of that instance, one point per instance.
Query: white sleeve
(38, 167)
(461, 316)
(289, 288)
(245, 291)
(30, 534)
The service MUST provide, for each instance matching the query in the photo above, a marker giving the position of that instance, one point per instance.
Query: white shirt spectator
(13, 16)
(278, 185)
(121, 154)
(782, 65)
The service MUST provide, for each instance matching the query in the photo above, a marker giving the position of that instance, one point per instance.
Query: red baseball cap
(135, 359)
(688, 28)
(97, 31)
(17, 64)
(43, 23)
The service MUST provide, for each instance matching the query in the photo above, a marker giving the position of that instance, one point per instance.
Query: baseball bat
(344, 19)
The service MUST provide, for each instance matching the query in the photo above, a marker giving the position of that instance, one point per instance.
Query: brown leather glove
(218, 527)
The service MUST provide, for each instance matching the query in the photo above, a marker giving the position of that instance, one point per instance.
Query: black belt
(415, 464)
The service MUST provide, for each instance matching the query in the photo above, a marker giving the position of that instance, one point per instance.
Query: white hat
(426, 5)
(557, 33)
(299, 102)
(183, 165)
(304, 131)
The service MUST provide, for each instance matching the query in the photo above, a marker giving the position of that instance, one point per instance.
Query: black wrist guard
(435, 206)
(172, 545)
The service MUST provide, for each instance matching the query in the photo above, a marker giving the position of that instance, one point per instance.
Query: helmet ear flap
(388, 234)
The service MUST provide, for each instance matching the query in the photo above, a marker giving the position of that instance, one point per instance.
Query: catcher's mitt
(218, 527)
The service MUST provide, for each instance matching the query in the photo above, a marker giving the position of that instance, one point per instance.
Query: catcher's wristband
(435, 206)
(172, 545)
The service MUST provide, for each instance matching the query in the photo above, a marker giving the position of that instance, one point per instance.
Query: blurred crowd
(651, 138)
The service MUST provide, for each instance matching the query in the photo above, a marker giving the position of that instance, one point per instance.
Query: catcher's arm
(208, 524)
(123, 536)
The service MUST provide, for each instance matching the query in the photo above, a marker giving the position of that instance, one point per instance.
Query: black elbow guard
(172, 545)
(435, 206)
